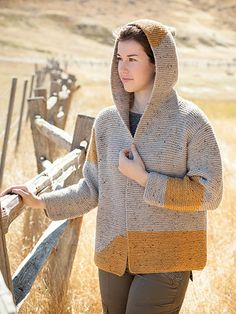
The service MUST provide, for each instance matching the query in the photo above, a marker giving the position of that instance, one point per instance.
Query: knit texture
(162, 227)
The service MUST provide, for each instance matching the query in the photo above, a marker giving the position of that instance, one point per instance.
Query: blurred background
(79, 35)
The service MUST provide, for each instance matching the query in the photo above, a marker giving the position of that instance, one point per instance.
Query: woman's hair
(133, 32)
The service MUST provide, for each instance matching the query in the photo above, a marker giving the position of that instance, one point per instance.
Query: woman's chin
(127, 89)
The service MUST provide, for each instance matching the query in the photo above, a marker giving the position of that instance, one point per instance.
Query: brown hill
(81, 32)
(45, 27)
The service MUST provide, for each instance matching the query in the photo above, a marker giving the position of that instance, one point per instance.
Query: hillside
(81, 32)
(48, 27)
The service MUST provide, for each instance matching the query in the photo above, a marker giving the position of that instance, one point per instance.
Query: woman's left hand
(132, 168)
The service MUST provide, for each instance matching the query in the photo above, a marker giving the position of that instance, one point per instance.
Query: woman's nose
(123, 67)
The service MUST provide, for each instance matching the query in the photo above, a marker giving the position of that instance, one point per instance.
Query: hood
(166, 62)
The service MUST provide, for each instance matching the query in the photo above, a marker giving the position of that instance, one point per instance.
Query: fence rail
(58, 171)
(56, 135)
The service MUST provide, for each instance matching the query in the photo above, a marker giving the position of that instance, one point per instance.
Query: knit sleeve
(201, 188)
(77, 199)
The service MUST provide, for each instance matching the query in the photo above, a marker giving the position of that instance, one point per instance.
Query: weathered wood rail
(54, 173)
(57, 245)
(53, 133)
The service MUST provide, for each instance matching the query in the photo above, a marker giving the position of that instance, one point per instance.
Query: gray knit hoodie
(162, 227)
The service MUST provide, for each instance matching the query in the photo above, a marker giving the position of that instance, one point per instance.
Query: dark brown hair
(133, 32)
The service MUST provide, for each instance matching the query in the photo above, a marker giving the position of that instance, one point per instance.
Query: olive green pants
(143, 293)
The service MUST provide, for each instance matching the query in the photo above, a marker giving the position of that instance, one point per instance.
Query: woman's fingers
(29, 198)
(21, 187)
(21, 192)
(134, 150)
(4, 192)
(124, 152)
(10, 189)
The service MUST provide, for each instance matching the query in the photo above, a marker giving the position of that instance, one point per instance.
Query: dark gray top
(133, 121)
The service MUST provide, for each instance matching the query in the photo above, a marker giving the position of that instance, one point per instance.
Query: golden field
(31, 32)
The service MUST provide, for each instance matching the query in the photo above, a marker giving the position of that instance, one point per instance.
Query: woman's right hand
(28, 197)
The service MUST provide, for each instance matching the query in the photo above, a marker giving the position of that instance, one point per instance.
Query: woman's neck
(140, 101)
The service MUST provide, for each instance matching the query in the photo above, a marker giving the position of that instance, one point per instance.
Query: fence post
(40, 92)
(30, 95)
(61, 260)
(54, 88)
(4, 261)
(54, 74)
(34, 220)
(21, 114)
(31, 86)
(38, 107)
(7, 130)
(38, 74)
(66, 104)
(73, 89)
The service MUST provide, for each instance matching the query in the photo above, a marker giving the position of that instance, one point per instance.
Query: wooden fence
(59, 240)
(58, 97)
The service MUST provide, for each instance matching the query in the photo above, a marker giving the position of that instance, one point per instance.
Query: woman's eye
(130, 59)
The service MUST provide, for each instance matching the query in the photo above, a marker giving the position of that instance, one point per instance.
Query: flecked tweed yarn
(162, 227)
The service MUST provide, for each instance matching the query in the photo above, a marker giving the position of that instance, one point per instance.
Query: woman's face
(134, 67)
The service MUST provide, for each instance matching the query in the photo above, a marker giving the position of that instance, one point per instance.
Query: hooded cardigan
(161, 227)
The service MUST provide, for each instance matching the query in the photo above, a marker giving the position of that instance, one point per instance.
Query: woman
(153, 168)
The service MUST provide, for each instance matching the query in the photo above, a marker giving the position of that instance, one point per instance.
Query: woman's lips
(126, 80)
